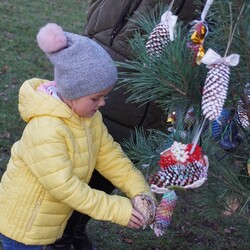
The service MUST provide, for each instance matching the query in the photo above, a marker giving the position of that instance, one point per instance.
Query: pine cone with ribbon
(161, 34)
(215, 90)
(216, 85)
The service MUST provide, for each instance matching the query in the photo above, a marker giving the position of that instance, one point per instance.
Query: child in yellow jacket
(63, 142)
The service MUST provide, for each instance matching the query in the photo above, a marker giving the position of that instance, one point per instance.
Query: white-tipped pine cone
(181, 167)
(242, 113)
(215, 90)
(162, 34)
(179, 175)
(158, 39)
(146, 206)
(244, 107)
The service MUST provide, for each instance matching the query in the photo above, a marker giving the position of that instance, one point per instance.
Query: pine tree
(176, 83)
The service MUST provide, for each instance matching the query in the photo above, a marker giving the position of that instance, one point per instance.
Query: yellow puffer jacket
(50, 166)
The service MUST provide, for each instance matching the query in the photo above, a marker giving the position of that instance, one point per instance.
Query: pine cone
(244, 107)
(215, 90)
(146, 206)
(178, 175)
(161, 34)
(158, 38)
(243, 115)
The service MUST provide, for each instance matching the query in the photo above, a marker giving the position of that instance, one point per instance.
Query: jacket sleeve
(115, 166)
(47, 157)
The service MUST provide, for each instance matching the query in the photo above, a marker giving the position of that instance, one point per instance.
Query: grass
(21, 59)
(188, 230)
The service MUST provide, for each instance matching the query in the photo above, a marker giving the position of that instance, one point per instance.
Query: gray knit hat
(81, 66)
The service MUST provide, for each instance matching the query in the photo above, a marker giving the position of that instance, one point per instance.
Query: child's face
(86, 106)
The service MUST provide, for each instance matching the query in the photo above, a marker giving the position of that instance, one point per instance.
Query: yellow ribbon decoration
(199, 34)
(200, 54)
(198, 38)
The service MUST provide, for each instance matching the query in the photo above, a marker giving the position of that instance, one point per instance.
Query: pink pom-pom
(51, 38)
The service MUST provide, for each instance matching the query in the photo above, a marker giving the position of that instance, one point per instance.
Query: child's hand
(136, 220)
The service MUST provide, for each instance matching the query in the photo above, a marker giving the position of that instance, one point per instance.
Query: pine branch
(175, 83)
(144, 149)
(173, 86)
(165, 80)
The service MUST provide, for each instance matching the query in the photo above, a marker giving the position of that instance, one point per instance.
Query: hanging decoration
(244, 107)
(179, 169)
(199, 32)
(225, 129)
(216, 85)
(162, 34)
(164, 213)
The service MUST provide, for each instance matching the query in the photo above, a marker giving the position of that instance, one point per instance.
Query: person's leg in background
(65, 242)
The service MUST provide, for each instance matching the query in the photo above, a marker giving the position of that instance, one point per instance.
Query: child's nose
(102, 102)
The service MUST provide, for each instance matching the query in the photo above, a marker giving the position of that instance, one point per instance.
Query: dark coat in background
(108, 24)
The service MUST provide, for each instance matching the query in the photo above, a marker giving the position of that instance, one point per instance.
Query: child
(64, 141)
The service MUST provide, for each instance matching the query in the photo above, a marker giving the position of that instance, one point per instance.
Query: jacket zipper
(89, 142)
(122, 20)
(38, 204)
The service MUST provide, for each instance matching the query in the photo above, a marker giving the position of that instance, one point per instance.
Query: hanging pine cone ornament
(162, 34)
(243, 115)
(164, 213)
(216, 85)
(244, 107)
(179, 167)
